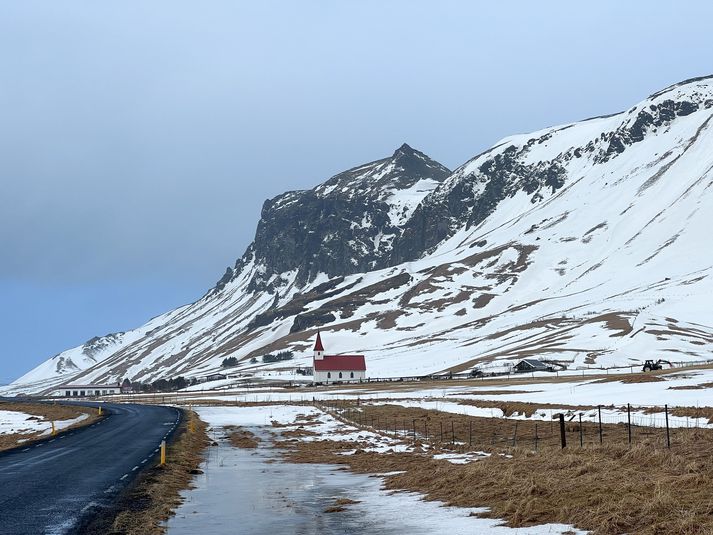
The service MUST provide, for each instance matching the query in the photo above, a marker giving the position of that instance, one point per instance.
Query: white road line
(122, 478)
(134, 468)
(144, 461)
(26, 449)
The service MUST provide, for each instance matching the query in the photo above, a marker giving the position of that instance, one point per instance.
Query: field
(638, 455)
(21, 423)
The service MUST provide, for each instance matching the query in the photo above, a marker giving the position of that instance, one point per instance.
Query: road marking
(26, 449)
(134, 468)
(144, 461)
(53, 440)
(122, 478)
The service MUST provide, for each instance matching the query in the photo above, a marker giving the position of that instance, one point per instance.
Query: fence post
(601, 439)
(425, 429)
(536, 436)
(453, 436)
(441, 423)
(563, 437)
(628, 420)
(581, 432)
(414, 429)
(470, 432)
(668, 435)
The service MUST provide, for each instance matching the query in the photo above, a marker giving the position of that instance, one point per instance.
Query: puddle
(253, 491)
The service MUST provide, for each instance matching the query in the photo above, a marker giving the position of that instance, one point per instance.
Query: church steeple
(318, 348)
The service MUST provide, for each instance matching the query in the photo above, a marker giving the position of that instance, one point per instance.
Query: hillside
(584, 243)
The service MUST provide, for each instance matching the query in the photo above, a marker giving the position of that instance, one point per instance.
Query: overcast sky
(138, 139)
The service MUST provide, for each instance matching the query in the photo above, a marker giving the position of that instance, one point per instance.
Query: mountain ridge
(527, 248)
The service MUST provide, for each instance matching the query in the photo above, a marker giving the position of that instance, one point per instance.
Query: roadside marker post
(163, 452)
(100, 410)
(54, 429)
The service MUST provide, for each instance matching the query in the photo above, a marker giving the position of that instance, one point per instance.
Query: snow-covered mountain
(585, 243)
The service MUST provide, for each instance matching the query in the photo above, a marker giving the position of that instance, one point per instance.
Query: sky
(138, 140)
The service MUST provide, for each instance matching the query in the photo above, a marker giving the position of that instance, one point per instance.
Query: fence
(584, 428)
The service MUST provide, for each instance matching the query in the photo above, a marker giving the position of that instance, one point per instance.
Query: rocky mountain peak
(346, 224)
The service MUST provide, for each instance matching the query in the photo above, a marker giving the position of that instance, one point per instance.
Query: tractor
(650, 365)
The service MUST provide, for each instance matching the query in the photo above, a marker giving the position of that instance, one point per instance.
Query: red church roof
(340, 363)
(318, 344)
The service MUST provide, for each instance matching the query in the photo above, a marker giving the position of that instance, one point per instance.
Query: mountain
(584, 243)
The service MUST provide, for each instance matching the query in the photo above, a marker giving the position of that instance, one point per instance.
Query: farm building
(336, 368)
(215, 377)
(532, 365)
(72, 391)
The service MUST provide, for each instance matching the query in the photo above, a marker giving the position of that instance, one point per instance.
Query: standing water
(253, 491)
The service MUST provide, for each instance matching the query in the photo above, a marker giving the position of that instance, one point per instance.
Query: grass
(606, 489)
(441, 429)
(242, 438)
(48, 412)
(151, 500)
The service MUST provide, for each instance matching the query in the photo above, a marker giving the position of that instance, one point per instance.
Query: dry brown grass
(299, 432)
(242, 438)
(634, 378)
(519, 407)
(48, 412)
(156, 494)
(339, 505)
(442, 428)
(610, 489)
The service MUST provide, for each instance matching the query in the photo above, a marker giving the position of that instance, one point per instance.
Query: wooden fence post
(581, 432)
(563, 437)
(601, 438)
(628, 420)
(536, 436)
(668, 435)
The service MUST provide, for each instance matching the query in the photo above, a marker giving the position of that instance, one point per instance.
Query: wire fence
(462, 432)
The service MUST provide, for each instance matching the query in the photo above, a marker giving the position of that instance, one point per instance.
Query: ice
(246, 491)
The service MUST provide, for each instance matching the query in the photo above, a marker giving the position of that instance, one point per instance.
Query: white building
(81, 391)
(336, 368)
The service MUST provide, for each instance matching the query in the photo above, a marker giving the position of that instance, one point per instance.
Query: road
(49, 487)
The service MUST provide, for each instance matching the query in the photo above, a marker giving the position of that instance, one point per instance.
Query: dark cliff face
(470, 197)
(346, 225)
(399, 208)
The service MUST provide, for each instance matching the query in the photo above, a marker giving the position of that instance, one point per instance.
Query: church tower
(318, 348)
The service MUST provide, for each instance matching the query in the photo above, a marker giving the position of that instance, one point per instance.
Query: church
(336, 368)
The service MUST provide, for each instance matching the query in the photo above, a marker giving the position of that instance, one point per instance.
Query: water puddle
(253, 491)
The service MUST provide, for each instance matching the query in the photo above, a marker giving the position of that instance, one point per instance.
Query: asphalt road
(49, 487)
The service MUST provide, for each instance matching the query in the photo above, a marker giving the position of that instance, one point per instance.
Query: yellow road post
(163, 452)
